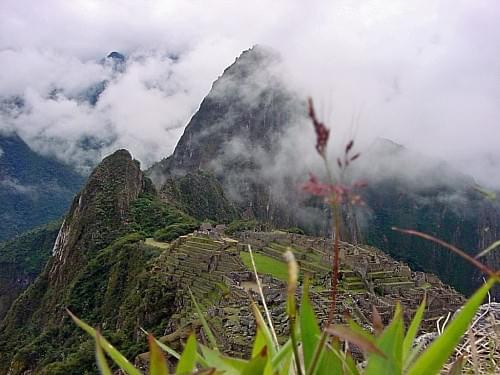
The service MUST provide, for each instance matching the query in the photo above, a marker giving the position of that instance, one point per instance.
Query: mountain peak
(119, 155)
(249, 101)
(100, 212)
(116, 56)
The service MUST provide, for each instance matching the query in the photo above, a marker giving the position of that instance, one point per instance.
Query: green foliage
(30, 250)
(200, 195)
(23, 258)
(440, 350)
(115, 355)
(187, 362)
(242, 225)
(206, 328)
(295, 230)
(266, 265)
(174, 231)
(101, 360)
(453, 223)
(35, 189)
(150, 215)
(160, 220)
(104, 290)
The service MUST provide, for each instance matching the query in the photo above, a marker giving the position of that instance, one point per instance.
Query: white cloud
(426, 74)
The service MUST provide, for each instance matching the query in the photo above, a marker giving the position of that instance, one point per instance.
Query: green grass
(152, 242)
(266, 264)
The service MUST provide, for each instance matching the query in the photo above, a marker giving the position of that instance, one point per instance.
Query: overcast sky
(424, 73)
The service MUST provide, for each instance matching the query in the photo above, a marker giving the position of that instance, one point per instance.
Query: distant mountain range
(33, 189)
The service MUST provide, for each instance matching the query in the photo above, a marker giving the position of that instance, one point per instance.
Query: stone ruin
(209, 264)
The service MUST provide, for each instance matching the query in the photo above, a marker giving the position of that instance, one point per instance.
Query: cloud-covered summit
(424, 74)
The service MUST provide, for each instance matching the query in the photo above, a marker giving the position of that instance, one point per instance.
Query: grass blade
(488, 249)
(436, 355)
(157, 362)
(456, 368)
(281, 354)
(412, 330)
(114, 354)
(378, 326)
(391, 343)
(214, 359)
(204, 323)
(102, 364)
(259, 343)
(347, 334)
(309, 328)
(351, 365)
(187, 362)
(257, 364)
(263, 328)
(293, 274)
(261, 293)
(164, 347)
(237, 363)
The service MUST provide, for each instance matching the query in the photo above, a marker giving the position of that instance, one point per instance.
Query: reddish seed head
(349, 146)
(334, 193)
(360, 184)
(322, 132)
(355, 156)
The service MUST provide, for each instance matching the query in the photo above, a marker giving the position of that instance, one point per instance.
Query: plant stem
(261, 293)
(336, 246)
(317, 354)
(295, 344)
(335, 265)
(481, 267)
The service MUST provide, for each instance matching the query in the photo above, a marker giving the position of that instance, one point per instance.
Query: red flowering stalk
(322, 132)
(334, 193)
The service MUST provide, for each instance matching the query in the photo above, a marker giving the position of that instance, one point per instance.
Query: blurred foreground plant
(335, 193)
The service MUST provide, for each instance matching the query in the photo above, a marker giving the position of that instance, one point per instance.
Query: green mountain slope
(201, 195)
(33, 189)
(96, 270)
(21, 261)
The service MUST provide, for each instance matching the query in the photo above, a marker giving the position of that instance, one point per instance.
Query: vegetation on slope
(34, 189)
(266, 265)
(30, 250)
(100, 268)
(21, 261)
(149, 215)
(200, 195)
(117, 288)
